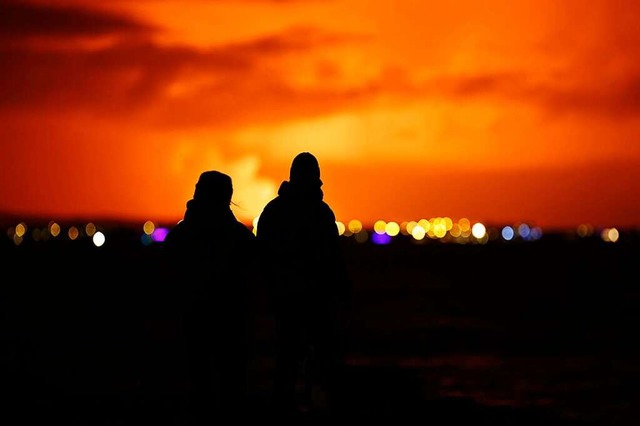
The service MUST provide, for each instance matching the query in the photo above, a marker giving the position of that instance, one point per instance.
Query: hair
(214, 186)
(304, 168)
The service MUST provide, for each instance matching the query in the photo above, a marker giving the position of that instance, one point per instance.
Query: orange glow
(499, 112)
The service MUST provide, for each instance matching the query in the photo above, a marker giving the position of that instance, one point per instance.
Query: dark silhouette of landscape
(505, 333)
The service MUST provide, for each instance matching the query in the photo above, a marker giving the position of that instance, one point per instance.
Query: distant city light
(524, 230)
(21, 229)
(584, 230)
(381, 232)
(98, 239)
(159, 234)
(478, 230)
(425, 224)
(536, 233)
(148, 227)
(610, 235)
(380, 239)
(439, 227)
(392, 229)
(146, 240)
(465, 225)
(379, 226)
(508, 233)
(54, 229)
(90, 229)
(418, 232)
(361, 236)
(355, 226)
(410, 225)
(73, 233)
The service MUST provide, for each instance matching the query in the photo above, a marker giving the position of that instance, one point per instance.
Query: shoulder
(243, 231)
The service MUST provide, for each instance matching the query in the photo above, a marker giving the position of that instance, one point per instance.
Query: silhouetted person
(302, 263)
(211, 254)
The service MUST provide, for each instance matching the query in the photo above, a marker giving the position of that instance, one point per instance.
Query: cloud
(611, 97)
(169, 85)
(256, 81)
(20, 20)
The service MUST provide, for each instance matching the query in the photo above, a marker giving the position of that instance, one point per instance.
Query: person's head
(214, 187)
(305, 170)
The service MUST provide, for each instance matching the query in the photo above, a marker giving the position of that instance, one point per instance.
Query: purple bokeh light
(380, 238)
(159, 234)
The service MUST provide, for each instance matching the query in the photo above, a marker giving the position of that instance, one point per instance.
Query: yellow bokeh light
(439, 228)
(21, 229)
(73, 233)
(361, 236)
(379, 226)
(410, 225)
(418, 232)
(54, 229)
(148, 227)
(425, 224)
(584, 230)
(403, 228)
(392, 229)
(90, 229)
(610, 235)
(341, 227)
(455, 230)
(355, 226)
(465, 225)
(448, 223)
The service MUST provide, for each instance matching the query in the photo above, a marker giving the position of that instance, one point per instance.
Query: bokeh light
(90, 229)
(418, 232)
(148, 227)
(379, 226)
(380, 239)
(98, 239)
(507, 233)
(610, 235)
(524, 231)
(21, 229)
(355, 226)
(392, 229)
(478, 230)
(73, 233)
(361, 236)
(159, 234)
(54, 229)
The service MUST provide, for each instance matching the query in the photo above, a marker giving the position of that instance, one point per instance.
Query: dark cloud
(609, 97)
(20, 20)
(135, 77)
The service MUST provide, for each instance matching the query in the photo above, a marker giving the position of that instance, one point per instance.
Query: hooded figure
(301, 262)
(209, 252)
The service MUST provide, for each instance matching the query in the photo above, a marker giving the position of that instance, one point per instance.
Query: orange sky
(496, 111)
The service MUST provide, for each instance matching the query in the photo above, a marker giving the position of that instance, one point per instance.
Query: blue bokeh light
(508, 233)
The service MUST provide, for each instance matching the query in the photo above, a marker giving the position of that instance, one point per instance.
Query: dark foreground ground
(524, 333)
